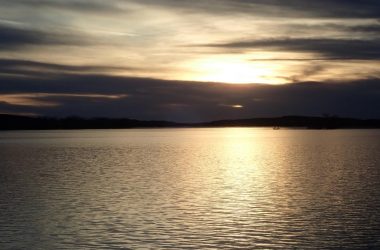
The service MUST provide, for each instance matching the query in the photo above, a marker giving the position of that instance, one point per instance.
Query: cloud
(311, 70)
(290, 8)
(329, 8)
(333, 48)
(15, 37)
(372, 28)
(97, 6)
(144, 98)
(34, 68)
(44, 35)
(43, 30)
(279, 8)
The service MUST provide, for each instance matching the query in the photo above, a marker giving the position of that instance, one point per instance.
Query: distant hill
(328, 122)
(15, 122)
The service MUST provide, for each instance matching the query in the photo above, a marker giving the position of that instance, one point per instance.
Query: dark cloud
(329, 8)
(27, 67)
(6, 108)
(143, 98)
(373, 28)
(74, 5)
(280, 8)
(329, 48)
(78, 90)
(293, 8)
(14, 37)
(337, 28)
(309, 71)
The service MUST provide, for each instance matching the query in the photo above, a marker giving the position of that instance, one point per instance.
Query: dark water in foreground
(190, 188)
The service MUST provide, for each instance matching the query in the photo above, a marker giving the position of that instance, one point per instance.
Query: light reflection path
(190, 188)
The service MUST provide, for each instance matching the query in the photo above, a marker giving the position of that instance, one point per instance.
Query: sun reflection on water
(192, 188)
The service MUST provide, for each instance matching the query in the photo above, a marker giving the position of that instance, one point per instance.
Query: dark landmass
(309, 122)
(15, 122)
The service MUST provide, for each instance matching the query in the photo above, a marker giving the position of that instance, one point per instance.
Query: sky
(190, 60)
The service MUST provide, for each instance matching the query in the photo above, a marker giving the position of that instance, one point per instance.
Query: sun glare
(233, 70)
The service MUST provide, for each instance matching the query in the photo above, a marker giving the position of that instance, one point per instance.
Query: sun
(229, 69)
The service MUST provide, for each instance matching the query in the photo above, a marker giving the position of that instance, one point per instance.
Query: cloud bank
(93, 95)
(154, 59)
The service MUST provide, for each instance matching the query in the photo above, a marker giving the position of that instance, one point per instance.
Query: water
(190, 188)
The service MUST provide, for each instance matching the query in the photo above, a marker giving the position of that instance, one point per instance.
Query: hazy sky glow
(244, 41)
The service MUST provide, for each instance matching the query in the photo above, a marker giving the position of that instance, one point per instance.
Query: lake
(190, 188)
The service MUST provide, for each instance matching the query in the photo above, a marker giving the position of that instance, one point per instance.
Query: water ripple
(190, 188)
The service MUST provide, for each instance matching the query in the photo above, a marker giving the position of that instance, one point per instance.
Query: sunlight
(232, 69)
(238, 151)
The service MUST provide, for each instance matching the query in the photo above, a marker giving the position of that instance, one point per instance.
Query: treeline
(14, 122)
(325, 122)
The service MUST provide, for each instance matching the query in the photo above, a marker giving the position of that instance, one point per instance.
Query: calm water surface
(190, 188)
